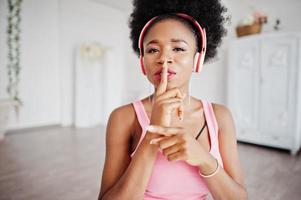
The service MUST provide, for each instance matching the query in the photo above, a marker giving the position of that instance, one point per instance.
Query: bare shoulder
(122, 119)
(221, 110)
(124, 114)
(121, 126)
(225, 122)
(223, 115)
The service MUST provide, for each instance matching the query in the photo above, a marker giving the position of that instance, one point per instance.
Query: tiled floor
(66, 163)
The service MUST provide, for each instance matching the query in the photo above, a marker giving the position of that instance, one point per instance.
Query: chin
(170, 84)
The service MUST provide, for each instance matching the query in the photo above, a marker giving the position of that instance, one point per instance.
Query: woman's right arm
(122, 177)
(125, 178)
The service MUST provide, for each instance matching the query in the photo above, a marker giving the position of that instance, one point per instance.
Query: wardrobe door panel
(277, 86)
(264, 89)
(243, 76)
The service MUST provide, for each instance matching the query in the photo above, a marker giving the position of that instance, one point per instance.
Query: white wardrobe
(264, 89)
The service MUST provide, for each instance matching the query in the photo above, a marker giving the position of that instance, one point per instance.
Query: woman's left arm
(228, 183)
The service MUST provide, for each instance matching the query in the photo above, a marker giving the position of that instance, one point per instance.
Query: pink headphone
(199, 56)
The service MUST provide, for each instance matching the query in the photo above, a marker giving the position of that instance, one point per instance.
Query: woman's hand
(165, 103)
(177, 145)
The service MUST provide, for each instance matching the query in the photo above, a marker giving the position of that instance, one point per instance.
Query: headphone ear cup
(198, 62)
(201, 63)
(195, 62)
(142, 65)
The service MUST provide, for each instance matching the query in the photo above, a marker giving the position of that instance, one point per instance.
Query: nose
(165, 57)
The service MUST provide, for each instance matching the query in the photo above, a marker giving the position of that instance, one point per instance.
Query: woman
(171, 145)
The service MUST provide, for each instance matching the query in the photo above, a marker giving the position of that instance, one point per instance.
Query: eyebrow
(172, 40)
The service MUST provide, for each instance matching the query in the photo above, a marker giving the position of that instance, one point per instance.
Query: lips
(170, 74)
(170, 71)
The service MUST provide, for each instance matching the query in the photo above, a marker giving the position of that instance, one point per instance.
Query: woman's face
(173, 42)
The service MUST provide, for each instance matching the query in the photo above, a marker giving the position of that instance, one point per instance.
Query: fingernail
(150, 128)
(152, 142)
(155, 141)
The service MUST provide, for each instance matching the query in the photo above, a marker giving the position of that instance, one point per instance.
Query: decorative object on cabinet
(264, 89)
(277, 25)
(248, 29)
(251, 24)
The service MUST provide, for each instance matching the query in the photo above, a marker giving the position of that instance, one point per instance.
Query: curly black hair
(208, 13)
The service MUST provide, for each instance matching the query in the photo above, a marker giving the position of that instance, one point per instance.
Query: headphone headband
(202, 51)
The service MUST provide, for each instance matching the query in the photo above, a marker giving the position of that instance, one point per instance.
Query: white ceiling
(123, 5)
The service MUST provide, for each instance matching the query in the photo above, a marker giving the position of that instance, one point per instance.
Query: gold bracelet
(213, 173)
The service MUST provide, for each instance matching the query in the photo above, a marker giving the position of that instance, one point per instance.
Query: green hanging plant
(13, 42)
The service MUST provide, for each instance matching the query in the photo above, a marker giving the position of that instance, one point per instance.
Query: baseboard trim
(30, 129)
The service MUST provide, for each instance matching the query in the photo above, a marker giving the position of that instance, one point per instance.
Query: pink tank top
(178, 180)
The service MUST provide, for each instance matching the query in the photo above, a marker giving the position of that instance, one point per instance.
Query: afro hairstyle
(208, 13)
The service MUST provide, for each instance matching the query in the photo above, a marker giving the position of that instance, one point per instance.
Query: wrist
(147, 139)
(149, 136)
(208, 167)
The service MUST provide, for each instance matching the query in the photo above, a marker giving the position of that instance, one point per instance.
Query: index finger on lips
(163, 83)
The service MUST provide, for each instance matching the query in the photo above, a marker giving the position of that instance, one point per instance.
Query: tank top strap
(213, 130)
(141, 114)
(210, 118)
(142, 119)
(213, 118)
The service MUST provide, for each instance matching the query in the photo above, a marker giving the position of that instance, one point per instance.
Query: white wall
(90, 21)
(51, 30)
(39, 81)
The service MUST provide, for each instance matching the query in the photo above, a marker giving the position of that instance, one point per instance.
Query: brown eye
(152, 50)
(179, 49)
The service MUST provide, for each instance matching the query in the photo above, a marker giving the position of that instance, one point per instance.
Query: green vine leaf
(13, 43)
